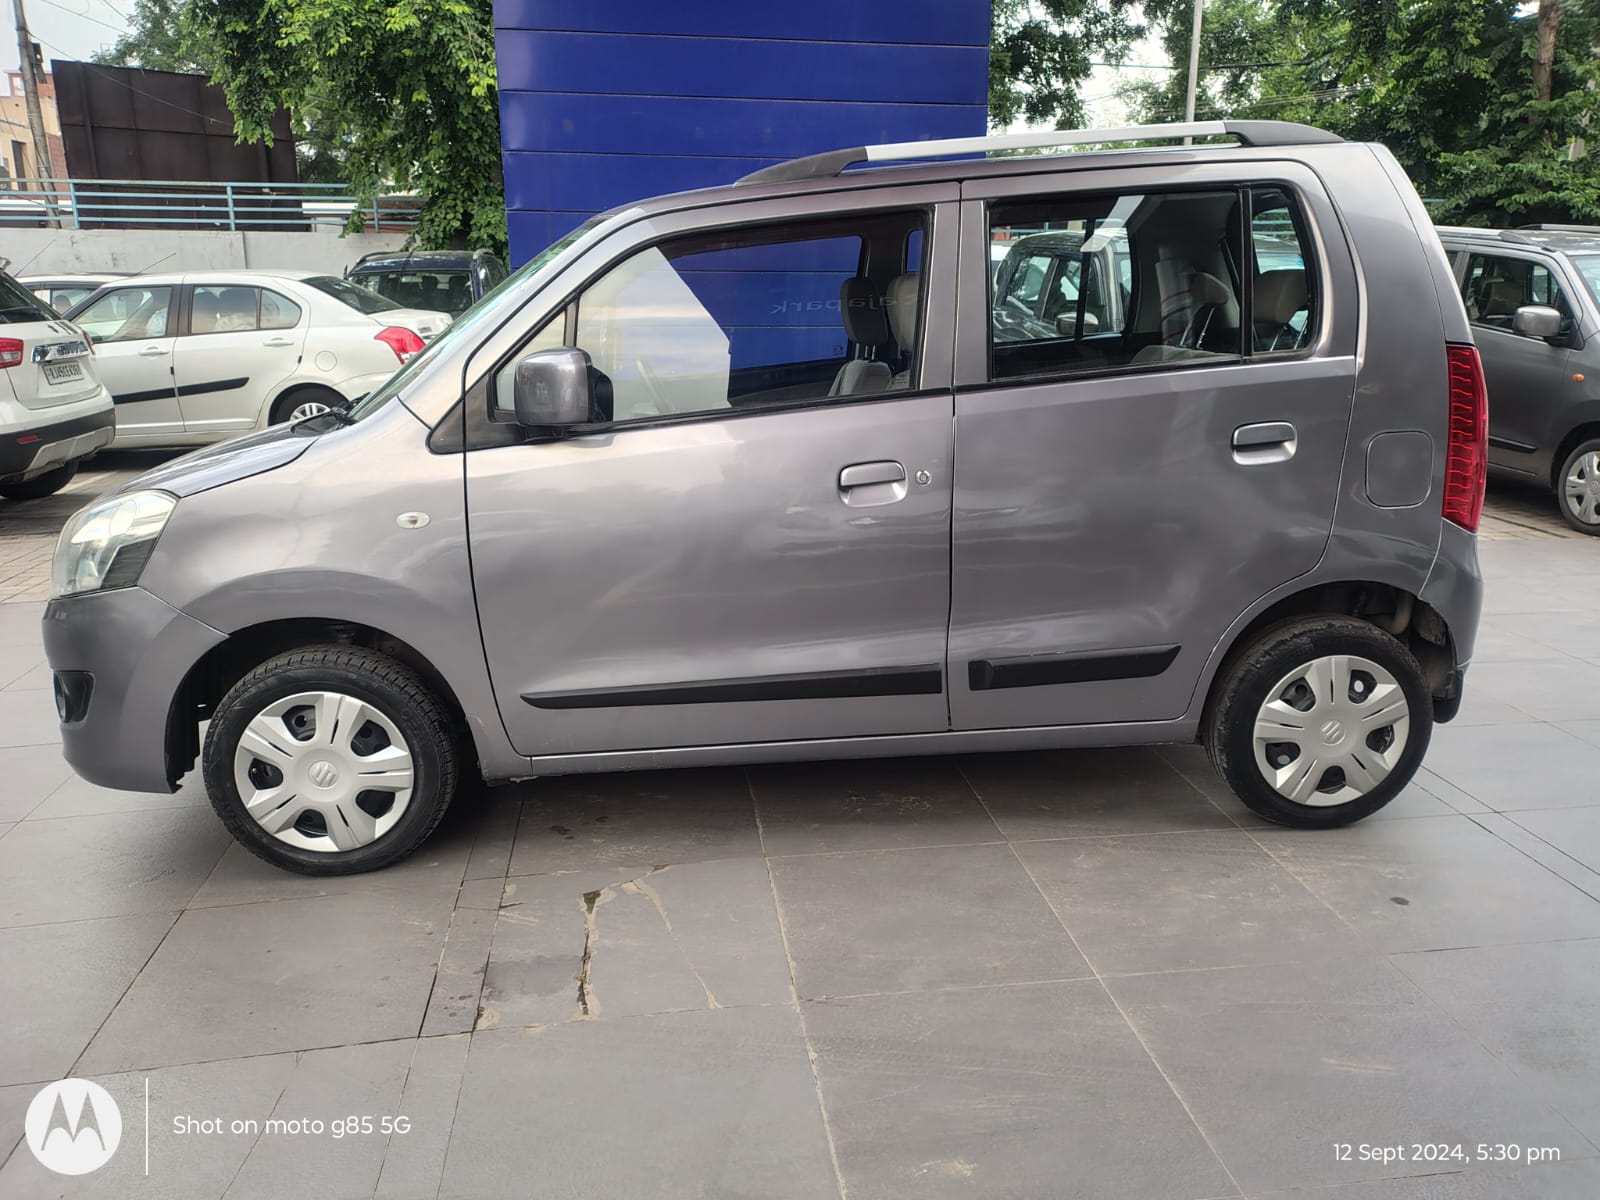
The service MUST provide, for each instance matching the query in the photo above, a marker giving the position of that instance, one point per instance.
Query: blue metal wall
(606, 101)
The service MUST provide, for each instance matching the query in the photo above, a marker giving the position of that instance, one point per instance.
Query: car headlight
(107, 544)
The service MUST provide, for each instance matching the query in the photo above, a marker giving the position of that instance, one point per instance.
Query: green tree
(1041, 51)
(156, 40)
(1487, 104)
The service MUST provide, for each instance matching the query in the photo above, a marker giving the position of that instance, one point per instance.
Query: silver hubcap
(310, 408)
(1332, 730)
(1583, 488)
(323, 771)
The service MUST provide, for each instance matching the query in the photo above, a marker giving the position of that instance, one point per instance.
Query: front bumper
(138, 650)
(28, 452)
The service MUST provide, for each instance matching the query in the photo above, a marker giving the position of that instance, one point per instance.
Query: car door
(243, 342)
(132, 330)
(1529, 378)
(1120, 500)
(732, 554)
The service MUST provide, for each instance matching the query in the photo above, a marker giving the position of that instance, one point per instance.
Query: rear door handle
(153, 352)
(1267, 442)
(278, 341)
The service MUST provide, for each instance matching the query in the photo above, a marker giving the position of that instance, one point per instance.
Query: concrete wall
(605, 103)
(48, 251)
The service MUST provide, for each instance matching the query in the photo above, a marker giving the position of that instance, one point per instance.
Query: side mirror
(1537, 320)
(551, 389)
(1067, 323)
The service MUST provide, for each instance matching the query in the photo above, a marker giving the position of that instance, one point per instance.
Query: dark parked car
(1531, 297)
(443, 280)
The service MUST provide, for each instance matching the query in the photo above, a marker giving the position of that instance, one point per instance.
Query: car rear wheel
(331, 760)
(1578, 488)
(40, 486)
(1320, 721)
(300, 403)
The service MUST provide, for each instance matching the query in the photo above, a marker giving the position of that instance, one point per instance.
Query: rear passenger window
(1142, 281)
(756, 316)
(221, 308)
(1497, 286)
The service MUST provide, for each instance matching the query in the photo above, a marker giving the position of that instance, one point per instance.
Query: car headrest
(1208, 289)
(902, 305)
(1279, 295)
(861, 310)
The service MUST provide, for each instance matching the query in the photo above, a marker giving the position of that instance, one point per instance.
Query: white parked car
(61, 292)
(54, 412)
(201, 356)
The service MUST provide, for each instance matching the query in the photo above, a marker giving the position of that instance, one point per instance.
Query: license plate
(62, 372)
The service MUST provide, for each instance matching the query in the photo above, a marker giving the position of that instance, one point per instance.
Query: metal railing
(189, 204)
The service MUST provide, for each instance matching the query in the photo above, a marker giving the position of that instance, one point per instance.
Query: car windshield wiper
(340, 413)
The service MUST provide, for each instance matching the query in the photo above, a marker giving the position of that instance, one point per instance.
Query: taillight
(10, 352)
(89, 342)
(403, 342)
(1467, 443)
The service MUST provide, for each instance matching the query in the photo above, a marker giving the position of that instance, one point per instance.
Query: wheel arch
(298, 385)
(1390, 607)
(215, 673)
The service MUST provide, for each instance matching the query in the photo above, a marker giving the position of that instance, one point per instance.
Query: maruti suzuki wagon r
(764, 472)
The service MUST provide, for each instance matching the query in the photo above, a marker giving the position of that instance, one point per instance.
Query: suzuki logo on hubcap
(323, 773)
(1333, 733)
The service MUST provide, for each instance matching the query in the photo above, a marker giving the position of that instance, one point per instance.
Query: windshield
(478, 316)
(359, 298)
(443, 291)
(1589, 267)
(18, 305)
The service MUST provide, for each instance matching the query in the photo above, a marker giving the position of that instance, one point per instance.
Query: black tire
(1582, 450)
(1253, 671)
(292, 399)
(392, 688)
(41, 486)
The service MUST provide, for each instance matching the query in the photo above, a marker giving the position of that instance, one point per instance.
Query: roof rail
(832, 162)
(1521, 239)
(1548, 228)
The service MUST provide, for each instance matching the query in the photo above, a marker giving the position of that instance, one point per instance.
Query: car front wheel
(1320, 721)
(331, 760)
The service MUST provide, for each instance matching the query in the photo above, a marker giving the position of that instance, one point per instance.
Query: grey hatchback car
(746, 474)
(1533, 298)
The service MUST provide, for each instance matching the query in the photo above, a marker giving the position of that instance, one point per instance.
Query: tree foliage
(1451, 86)
(386, 95)
(1041, 51)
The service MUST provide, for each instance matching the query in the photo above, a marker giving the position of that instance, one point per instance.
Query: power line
(140, 91)
(119, 30)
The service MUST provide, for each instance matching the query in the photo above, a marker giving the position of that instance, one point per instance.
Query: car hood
(213, 466)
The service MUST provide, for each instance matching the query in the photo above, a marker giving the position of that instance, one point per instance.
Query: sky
(72, 29)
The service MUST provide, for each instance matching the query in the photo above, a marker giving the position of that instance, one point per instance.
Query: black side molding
(1093, 666)
(819, 685)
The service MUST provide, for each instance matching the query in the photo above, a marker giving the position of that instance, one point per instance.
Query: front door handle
(864, 485)
(153, 352)
(1267, 442)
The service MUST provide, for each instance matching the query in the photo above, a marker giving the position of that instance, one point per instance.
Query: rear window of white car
(18, 305)
(358, 298)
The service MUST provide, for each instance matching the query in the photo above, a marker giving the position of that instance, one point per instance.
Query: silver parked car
(750, 474)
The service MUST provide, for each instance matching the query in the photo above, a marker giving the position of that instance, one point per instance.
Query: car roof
(87, 277)
(1061, 239)
(1574, 240)
(382, 259)
(242, 277)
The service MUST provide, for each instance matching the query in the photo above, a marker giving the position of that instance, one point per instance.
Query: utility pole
(1194, 64)
(30, 94)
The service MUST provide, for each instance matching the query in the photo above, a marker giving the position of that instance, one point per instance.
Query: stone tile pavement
(1067, 975)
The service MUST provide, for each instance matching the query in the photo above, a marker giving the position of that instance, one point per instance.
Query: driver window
(746, 317)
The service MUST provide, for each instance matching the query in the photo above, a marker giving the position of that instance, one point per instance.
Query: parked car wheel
(331, 760)
(1320, 721)
(40, 486)
(299, 403)
(1578, 487)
